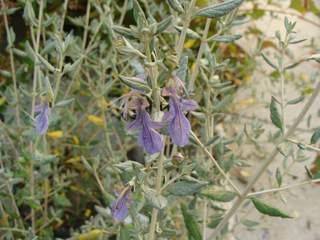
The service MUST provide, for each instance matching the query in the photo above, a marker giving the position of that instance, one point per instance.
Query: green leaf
(184, 188)
(62, 201)
(183, 68)
(315, 136)
(225, 38)
(219, 195)
(249, 223)
(126, 32)
(157, 201)
(215, 220)
(296, 100)
(139, 15)
(190, 33)
(135, 83)
(275, 115)
(220, 9)
(64, 103)
(267, 209)
(124, 233)
(176, 5)
(278, 177)
(267, 60)
(164, 24)
(191, 224)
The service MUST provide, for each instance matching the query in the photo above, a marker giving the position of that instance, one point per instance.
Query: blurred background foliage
(86, 155)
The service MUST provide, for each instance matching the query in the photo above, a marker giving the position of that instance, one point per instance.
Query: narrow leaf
(275, 115)
(164, 24)
(267, 209)
(135, 83)
(191, 224)
(183, 188)
(220, 9)
(315, 136)
(226, 38)
(296, 100)
(176, 5)
(266, 59)
(219, 195)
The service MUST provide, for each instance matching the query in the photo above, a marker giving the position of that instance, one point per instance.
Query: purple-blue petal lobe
(42, 119)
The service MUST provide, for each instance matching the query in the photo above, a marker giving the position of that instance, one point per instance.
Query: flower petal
(179, 129)
(188, 105)
(42, 120)
(119, 210)
(151, 140)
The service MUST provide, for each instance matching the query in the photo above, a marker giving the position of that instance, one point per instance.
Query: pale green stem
(204, 219)
(35, 76)
(200, 52)
(61, 57)
(186, 24)
(153, 73)
(12, 65)
(265, 165)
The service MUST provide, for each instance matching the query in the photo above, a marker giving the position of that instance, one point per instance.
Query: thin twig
(183, 34)
(308, 146)
(35, 78)
(214, 161)
(283, 188)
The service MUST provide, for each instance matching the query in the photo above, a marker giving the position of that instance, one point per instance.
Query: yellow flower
(55, 134)
(190, 43)
(95, 119)
(75, 140)
(92, 235)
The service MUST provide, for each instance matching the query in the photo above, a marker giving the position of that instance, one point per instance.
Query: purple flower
(148, 137)
(42, 119)
(119, 207)
(179, 126)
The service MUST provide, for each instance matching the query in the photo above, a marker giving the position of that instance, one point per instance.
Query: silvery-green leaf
(19, 52)
(48, 87)
(183, 68)
(139, 15)
(225, 38)
(220, 9)
(156, 200)
(28, 14)
(5, 73)
(164, 24)
(184, 188)
(46, 63)
(315, 57)
(190, 33)
(64, 103)
(296, 100)
(219, 195)
(9, 11)
(126, 32)
(135, 83)
(176, 5)
(266, 59)
(128, 165)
